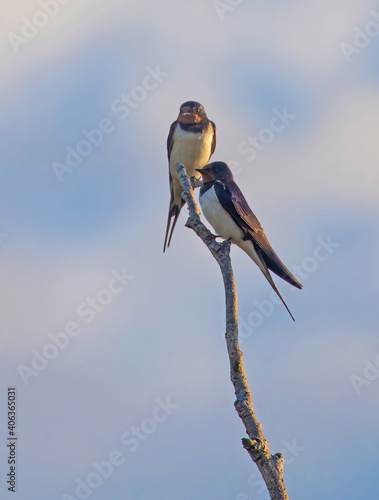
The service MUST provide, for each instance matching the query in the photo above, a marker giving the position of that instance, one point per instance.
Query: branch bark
(270, 466)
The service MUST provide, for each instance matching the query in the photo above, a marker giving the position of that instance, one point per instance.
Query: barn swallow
(191, 141)
(226, 209)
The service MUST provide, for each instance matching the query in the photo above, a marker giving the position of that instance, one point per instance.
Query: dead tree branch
(270, 466)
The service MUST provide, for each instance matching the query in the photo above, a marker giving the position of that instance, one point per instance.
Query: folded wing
(232, 200)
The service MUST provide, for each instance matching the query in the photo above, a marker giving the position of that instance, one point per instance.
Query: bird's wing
(173, 210)
(170, 142)
(234, 202)
(170, 138)
(213, 146)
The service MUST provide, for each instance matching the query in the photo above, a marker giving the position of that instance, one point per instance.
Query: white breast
(219, 218)
(193, 149)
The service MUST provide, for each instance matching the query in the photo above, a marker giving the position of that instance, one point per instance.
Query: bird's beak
(206, 174)
(188, 117)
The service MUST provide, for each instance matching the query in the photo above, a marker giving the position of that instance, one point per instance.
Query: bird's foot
(195, 183)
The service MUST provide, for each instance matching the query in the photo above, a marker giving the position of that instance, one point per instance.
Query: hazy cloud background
(163, 336)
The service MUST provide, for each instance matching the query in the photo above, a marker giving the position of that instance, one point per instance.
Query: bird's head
(216, 171)
(191, 113)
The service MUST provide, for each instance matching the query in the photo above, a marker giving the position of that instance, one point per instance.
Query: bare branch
(270, 466)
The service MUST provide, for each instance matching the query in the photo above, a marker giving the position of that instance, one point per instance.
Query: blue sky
(160, 337)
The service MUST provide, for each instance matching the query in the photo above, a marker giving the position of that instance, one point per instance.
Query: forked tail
(173, 212)
(268, 276)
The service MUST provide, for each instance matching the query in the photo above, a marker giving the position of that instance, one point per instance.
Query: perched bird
(226, 209)
(191, 141)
